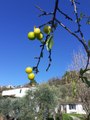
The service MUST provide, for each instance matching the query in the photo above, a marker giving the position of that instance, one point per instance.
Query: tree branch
(49, 22)
(77, 19)
(40, 56)
(40, 9)
(67, 17)
(54, 13)
(72, 33)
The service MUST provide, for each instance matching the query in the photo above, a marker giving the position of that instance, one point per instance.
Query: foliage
(37, 103)
(5, 106)
(83, 93)
(66, 117)
(16, 108)
(80, 116)
(82, 90)
(66, 78)
(46, 98)
(42, 101)
(46, 95)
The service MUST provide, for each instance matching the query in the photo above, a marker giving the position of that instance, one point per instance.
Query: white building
(73, 108)
(16, 92)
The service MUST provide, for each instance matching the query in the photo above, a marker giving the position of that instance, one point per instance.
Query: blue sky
(17, 18)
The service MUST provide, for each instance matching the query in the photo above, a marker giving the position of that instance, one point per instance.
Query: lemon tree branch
(66, 16)
(41, 56)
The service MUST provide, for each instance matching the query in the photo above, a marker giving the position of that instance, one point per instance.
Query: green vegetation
(81, 116)
(67, 117)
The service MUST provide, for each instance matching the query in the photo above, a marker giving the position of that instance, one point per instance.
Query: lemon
(28, 70)
(31, 76)
(40, 36)
(31, 35)
(47, 29)
(37, 31)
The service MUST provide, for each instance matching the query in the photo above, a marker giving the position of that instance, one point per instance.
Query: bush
(67, 117)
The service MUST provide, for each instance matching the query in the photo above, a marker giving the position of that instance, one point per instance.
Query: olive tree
(5, 107)
(45, 99)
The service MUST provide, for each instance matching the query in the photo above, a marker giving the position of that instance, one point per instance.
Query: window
(72, 106)
(20, 90)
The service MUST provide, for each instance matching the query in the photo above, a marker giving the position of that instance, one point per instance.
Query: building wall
(78, 110)
(18, 92)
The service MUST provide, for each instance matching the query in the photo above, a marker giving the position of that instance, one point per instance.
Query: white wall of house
(77, 108)
(17, 92)
(80, 109)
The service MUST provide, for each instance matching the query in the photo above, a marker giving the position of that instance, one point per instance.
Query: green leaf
(49, 43)
(88, 43)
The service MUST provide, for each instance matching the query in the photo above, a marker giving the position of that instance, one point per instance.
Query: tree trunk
(46, 113)
(60, 113)
(54, 115)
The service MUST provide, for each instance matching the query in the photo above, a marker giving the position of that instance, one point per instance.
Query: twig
(72, 33)
(49, 22)
(40, 56)
(43, 14)
(54, 13)
(77, 19)
(40, 9)
(52, 22)
(67, 17)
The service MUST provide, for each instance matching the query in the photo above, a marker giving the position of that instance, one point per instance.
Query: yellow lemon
(28, 70)
(47, 29)
(37, 31)
(40, 36)
(31, 76)
(31, 35)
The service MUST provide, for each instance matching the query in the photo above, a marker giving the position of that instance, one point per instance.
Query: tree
(17, 108)
(56, 82)
(53, 24)
(78, 63)
(79, 60)
(83, 93)
(37, 103)
(5, 107)
(46, 98)
(82, 90)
